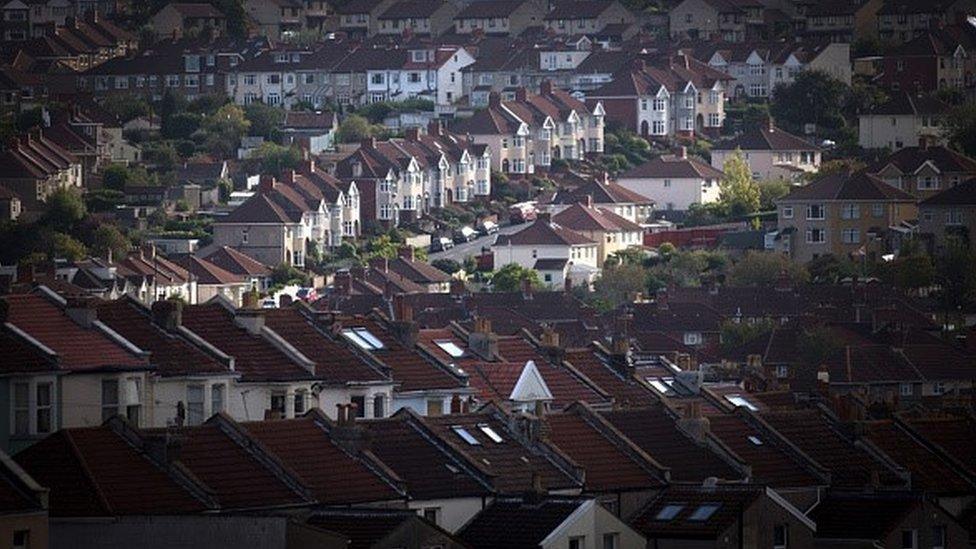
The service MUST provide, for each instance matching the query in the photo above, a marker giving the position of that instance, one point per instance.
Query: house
(417, 17)
(278, 18)
(611, 232)
(889, 520)
(900, 21)
(733, 21)
(312, 131)
(840, 21)
(606, 194)
(25, 519)
(924, 170)
(229, 259)
(559, 253)
(930, 62)
(724, 516)
(10, 205)
(505, 17)
(902, 121)
(361, 17)
(213, 280)
(674, 99)
(674, 182)
(33, 167)
(419, 272)
(177, 18)
(840, 214)
(270, 77)
(949, 214)
(586, 16)
(770, 152)
(378, 528)
(556, 522)
(534, 129)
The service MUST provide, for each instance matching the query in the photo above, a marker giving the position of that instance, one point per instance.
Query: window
(909, 539)
(578, 542)
(781, 536)
(815, 211)
(667, 183)
(431, 514)
(850, 236)
(850, 211)
(816, 236)
(692, 338)
(939, 537)
(658, 127)
(300, 402)
(659, 105)
(668, 512)
(21, 408)
(787, 212)
(739, 400)
(611, 541)
(877, 210)
(435, 407)
(217, 399)
(906, 389)
(21, 539)
(782, 371)
(43, 407)
(465, 435)
(363, 339)
(379, 409)
(359, 401)
(110, 398)
(194, 404)
(756, 441)
(704, 512)
(490, 433)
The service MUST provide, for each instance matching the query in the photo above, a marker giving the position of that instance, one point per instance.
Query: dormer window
(363, 339)
(419, 56)
(450, 348)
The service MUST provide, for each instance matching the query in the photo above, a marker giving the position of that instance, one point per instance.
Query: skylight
(363, 339)
(465, 435)
(669, 511)
(755, 440)
(739, 400)
(450, 348)
(490, 433)
(661, 384)
(704, 512)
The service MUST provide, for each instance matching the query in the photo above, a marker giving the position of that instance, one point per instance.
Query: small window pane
(216, 399)
(450, 348)
(704, 512)
(490, 433)
(668, 512)
(465, 435)
(194, 404)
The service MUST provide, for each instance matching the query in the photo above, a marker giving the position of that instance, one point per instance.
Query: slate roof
(674, 167)
(626, 392)
(602, 192)
(412, 9)
(579, 217)
(492, 9)
(578, 9)
(492, 527)
(952, 435)
(765, 138)
(963, 194)
(847, 186)
(906, 103)
(657, 434)
(20, 356)
(236, 262)
(543, 232)
(929, 471)
(732, 501)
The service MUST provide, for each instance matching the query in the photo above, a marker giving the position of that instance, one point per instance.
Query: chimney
(551, 347)
(546, 87)
(589, 201)
(683, 152)
(693, 423)
(406, 252)
(342, 282)
(266, 184)
(526, 289)
(456, 406)
(308, 165)
(368, 143)
(784, 283)
(82, 311)
(770, 124)
(435, 128)
(25, 272)
(494, 100)
(251, 320)
(403, 326)
(638, 65)
(412, 134)
(521, 94)
(249, 300)
(482, 341)
(457, 288)
(168, 314)
(923, 142)
(662, 300)
(537, 492)
(544, 217)
(568, 284)
(288, 177)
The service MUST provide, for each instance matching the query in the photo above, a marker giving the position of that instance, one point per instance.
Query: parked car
(307, 295)
(269, 303)
(489, 228)
(441, 244)
(522, 212)
(465, 234)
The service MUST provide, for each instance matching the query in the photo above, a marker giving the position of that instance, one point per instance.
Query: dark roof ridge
(619, 440)
(906, 426)
(786, 445)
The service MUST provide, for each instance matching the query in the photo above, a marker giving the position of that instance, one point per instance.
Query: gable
(530, 386)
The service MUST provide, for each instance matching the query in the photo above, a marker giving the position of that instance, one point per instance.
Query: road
(469, 249)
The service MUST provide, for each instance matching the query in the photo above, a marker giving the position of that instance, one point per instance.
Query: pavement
(460, 252)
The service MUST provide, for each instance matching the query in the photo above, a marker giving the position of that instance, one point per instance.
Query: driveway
(460, 252)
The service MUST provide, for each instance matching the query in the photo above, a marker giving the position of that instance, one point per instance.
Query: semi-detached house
(557, 253)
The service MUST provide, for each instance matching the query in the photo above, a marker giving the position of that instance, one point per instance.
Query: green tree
(126, 107)
(109, 239)
(103, 200)
(617, 285)
(956, 276)
(764, 269)
(181, 125)
(830, 269)
(960, 128)
(736, 334)
(284, 275)
(771, 190)
(509, 278)
(910, 273)
(224, 129)
(737, 190)
(276, 159)
(813, 97)
(62, 246)
(64, 210)
(265, 119)
(353, 129)
(449, 266)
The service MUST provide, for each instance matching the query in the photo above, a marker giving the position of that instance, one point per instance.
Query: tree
(771, 190)
(109, 240)
(764, 269)
(265, 119)
(449, 266)
(617, 285)
(956, 275)
(813, 97)
(103, 200)
(382, 246)
(816, 345)
(169, 106)
(353, 129)
(275, 159)
(736, 334)
(830, 269)
(65, 209)
(119, 176)
(181, 125)
(737, 190)
(509, 278)
(910, 273)
(126, 107)
(961, 128)
(224, 129)
(62, 246)
(284, 275)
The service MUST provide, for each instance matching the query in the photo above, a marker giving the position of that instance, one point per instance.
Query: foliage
(353, 129)
(207, 104)
(738, 192)
(736, 334)
(63, 246)
(771, 190)
(742, 115)
(449, 266)
(960, 128)
(813, 97)
(119, 176)
(706, 214)
(382, 246)
(347, 251)
(618, 285)
(376, 113)
(765, 269)
(30, 118)
(65, 209)
(830, 269)
(161, 154)
(624, 148)
(509, 278)
(181, 125)
(285, 274)
(276, 159)
(956, 269)
(126, 107)
(224, 129)
(265, 119)
(816, 345)
(683, 268)
(909, 272)
(103, 200)
(108, 238)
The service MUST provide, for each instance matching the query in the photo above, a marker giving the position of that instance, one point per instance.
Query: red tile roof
(626, 392)
(78, 348)
(237, 262)
(930, 472)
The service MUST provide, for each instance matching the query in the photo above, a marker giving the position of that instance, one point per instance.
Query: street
(468, 249)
